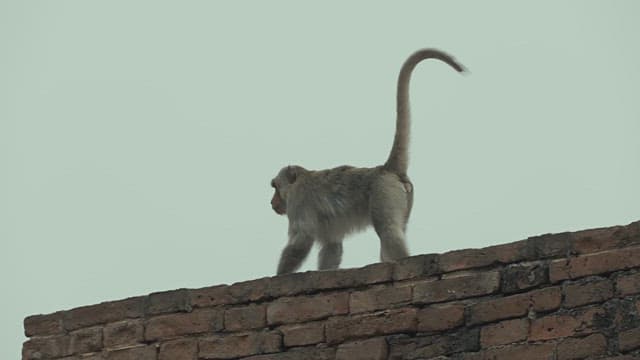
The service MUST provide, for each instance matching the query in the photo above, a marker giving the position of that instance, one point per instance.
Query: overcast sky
(138, 138)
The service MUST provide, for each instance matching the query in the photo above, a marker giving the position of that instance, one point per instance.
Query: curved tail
(398, 160)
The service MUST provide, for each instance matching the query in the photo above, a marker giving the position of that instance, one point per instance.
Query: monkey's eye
(273, 184)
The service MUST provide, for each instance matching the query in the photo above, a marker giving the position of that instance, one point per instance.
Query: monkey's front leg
(295, 252)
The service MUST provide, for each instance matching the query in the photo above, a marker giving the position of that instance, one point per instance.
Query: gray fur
(327, 205)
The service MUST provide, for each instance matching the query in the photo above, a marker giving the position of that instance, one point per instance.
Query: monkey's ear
(292, 174)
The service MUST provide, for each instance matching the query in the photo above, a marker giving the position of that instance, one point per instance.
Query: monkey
(324, 206)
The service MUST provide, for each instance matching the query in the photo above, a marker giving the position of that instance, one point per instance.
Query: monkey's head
(281, 184)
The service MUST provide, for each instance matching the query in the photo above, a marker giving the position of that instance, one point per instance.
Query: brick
(592, 345)
(564, 325)
(498, 309)
(46, 347)
(545, 299)
(550, 245)
(371, 349)
(144, 352)
(210, 296)
(519, 277)
(313, 281)
(123, 333)
(339, 329)
(628, 284)
(433, 346)
(349, 278)
(306, 308)
(113, 311)
(587, 291)
(475, 258)
(43, 325)
(238, 345)
(596, 240)
(310, 353)
(249, 291)
(182, 349)
(168, 302)
(173, 325)
(504, 332)
(292, 284)
(594, 264)
(382, 297)
(629, 340)
(416, 266)
(456, 288)
(245, 317)
(86, 340)
(303, 334)
(543, 351)
(440, 317)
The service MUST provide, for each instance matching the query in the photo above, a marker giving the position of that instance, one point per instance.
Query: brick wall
(559, 296)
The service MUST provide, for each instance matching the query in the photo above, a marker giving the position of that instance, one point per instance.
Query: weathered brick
(498, 309)
(348, 278)
(172, 325)
(416, 266)
(245, 317)
(43, 325)
(303, 334)
(339, 329)
(596, 240)
(182, 349)
(247, 291)
(433, 346)
(292, 284)
(475, 258)
(456, 288)
(312, 281)
(564, 325)
(523, 276)
(629, 340)
(49, 347)
(210, 296)
(440, 317)
(377, 298)
(370, 349)
(587, 291)
(543, 351)
(549, 245)
(628, 284)
(572, 348)
(123, 333)
(546, 299)
(504, 332)
(238, 345)
(310, 353)
(594, 264)
(168, 302)
(144, 352)
(87, 316)
(304, 308)
(86, 340)
(514, 306)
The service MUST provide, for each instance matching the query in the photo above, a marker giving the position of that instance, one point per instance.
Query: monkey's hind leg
(330, 256)
(390, 207)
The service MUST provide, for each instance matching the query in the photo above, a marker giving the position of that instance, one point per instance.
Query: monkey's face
(281, 185)
(278, 204)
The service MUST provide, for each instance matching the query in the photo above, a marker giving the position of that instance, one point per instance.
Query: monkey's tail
(398, 161)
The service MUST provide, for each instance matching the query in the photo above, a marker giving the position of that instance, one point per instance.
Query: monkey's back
(335, 196)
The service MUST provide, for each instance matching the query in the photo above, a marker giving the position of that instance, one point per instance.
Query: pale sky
(138, 138)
